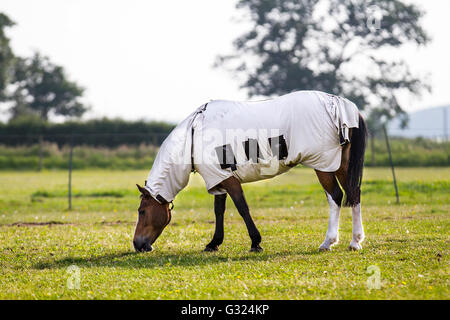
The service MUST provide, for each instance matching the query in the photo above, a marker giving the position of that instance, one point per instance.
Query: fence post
(40, 152)
(372, 149)
(70, 171)
(445, 125)
(392, 163)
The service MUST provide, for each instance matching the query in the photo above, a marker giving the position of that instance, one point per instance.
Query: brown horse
(155, 212)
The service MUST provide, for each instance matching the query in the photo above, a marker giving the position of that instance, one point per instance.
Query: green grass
(417, 152)
(40, 239)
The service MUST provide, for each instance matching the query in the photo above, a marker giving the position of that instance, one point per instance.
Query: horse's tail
(356, 163)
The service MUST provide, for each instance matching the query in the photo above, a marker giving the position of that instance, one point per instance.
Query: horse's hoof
(211, 249)
(327, 244)
(324, 247)
(256, 249)
(354, 246)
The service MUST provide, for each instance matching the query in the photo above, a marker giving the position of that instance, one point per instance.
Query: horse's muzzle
(142, 245)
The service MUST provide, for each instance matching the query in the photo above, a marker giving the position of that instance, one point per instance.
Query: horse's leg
(234, 189)
(358, 229)
(334, 197)
(219, 210)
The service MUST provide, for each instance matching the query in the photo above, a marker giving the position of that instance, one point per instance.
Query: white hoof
(354, 246)
(326, 245)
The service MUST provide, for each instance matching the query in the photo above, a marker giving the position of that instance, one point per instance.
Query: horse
(229, 143)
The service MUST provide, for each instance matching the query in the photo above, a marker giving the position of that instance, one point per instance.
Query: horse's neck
(169, 175)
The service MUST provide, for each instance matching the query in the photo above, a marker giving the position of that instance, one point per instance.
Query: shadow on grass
(150, 260)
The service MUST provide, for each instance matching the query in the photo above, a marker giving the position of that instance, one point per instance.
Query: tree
(334, 46)
(6, 55)
(34, 86)
(41, 88)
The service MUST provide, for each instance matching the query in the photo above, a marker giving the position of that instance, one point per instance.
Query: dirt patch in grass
(33, 224)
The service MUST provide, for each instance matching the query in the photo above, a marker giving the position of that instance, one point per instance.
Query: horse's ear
(143, 190)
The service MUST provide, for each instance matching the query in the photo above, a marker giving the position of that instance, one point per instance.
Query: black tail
(356, 163)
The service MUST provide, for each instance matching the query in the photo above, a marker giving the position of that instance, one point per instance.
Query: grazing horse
(229, 143)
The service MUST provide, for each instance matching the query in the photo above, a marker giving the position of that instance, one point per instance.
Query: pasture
(40, 239)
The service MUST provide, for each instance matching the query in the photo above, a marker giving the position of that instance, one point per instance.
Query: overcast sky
(153, 59)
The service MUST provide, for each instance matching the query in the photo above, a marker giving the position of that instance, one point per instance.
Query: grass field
(40, 239)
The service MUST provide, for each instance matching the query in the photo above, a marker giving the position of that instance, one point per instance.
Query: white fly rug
(253, 141)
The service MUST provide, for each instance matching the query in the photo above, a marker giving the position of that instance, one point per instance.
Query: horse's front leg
(219, 210)
(234, 189)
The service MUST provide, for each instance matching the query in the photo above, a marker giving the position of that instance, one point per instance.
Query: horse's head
(153, 218)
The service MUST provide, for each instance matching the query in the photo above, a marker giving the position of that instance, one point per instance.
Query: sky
(153, 59)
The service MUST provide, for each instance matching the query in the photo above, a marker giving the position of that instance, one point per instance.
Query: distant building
(432, 123)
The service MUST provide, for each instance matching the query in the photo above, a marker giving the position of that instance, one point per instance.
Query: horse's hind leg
(334, 197)
(341, 174)
(358, 229)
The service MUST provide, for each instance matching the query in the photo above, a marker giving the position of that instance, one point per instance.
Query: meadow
(43, 245)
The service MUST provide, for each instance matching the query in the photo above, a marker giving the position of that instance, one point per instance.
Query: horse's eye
(141, 212)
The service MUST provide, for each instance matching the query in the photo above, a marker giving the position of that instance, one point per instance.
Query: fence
(96, 150)
(70, 141)
(77, 151)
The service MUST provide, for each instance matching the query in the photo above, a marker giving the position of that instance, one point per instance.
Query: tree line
(96, 132)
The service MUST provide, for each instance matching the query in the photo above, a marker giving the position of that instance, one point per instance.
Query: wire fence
(40, 151)
(137, 151)
(52, 151)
